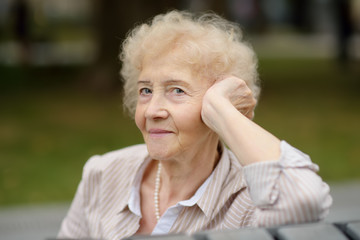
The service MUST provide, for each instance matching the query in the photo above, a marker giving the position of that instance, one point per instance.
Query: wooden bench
(321, 230)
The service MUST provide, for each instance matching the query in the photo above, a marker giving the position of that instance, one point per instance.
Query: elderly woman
(192, 86)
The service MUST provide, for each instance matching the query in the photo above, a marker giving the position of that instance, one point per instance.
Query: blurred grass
(49, 126)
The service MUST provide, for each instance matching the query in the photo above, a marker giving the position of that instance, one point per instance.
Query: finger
(247, 108)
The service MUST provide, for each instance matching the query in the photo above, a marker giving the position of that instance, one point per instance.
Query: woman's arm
(287, 191)
(227, 107)
(282, 181)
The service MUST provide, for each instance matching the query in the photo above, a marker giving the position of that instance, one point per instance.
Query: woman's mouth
(156, 132)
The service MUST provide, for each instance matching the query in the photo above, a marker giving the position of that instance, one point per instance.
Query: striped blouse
(261, 194)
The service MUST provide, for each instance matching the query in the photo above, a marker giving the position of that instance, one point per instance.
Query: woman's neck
(181, 178)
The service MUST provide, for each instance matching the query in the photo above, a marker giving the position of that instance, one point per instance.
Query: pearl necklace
(156, 192)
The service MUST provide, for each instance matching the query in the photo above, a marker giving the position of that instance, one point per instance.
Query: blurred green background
(60, 93)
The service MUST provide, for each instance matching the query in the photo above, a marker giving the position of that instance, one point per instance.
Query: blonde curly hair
(209, 44)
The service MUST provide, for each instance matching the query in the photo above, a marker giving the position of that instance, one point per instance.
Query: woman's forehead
(165, 70)
(166, 62)
(173, 63)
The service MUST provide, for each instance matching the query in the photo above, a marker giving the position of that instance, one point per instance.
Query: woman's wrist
(213, 113)
(250, 142)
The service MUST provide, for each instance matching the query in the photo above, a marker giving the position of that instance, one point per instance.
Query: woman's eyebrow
(178, 82)
(167, 82)
(144, 82)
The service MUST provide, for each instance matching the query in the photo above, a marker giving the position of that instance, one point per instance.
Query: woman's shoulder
(127, 157)
(235, 164)
(232, 169)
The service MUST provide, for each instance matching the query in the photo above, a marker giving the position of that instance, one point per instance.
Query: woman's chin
(159, 153)
(160, 157)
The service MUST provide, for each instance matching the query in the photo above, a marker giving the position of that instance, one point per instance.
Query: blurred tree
(20, 12)
(248, 13)
(301, 18)
(112, 20)
(344, 28)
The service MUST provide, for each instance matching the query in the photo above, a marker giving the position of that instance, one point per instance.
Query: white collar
(134, 200)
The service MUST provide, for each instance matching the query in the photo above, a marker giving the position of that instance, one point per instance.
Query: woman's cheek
(139, 118)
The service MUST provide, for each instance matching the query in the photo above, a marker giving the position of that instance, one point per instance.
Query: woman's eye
(145, 91)
(178, 91)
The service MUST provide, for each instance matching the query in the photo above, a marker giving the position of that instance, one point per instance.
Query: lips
(155, 132)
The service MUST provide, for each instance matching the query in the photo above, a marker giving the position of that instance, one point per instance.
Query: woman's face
(168, 111)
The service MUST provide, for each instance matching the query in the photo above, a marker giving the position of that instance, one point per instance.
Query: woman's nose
(156, 108)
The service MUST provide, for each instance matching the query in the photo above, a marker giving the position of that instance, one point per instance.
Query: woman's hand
(230, 92)
(227, 108)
